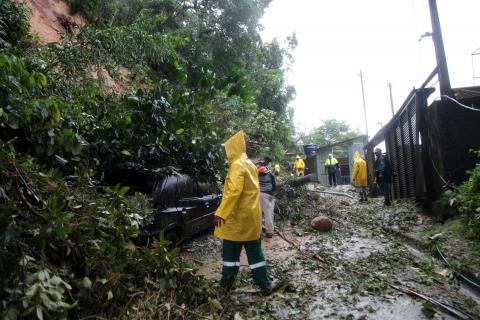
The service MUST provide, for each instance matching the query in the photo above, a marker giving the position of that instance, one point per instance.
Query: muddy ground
(350, 272)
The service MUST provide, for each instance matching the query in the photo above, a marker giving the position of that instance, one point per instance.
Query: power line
(458, 103)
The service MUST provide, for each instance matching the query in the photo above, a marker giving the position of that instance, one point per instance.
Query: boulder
(321, 223)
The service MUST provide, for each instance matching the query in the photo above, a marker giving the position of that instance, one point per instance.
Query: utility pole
(391, 99)
(364, 108)
(443, 77)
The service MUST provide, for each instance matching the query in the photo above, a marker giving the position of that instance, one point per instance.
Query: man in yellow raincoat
(299, 166)
(238, 218)
(359, 176)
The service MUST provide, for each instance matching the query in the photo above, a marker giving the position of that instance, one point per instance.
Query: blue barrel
(310, 149)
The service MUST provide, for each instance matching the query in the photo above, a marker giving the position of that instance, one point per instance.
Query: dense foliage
(152, 84)
(13, 23)
(466, 201)
(67, 248)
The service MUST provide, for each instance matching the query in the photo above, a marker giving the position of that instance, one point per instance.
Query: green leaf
(123, 190)
(179, 131)
(40, 312)
(42, 79)
(128, 120)
(86, 283)
(76, 148)
(12, 123)
(15, 82)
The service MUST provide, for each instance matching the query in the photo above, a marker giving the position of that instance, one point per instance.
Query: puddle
(354, 247)
(470, 293)
(400, 308)
(358, 248)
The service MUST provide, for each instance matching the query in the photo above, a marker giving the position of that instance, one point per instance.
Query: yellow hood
(356, 155)
(235, 146)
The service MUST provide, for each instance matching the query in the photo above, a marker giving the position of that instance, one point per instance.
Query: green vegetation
(67, 247)
(186, 75)
(465, 200)
(14, 24)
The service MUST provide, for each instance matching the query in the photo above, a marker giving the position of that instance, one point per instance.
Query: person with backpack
(383, 175)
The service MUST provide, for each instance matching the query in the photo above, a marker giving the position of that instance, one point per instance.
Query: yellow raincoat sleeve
(232, 190)
(356, 169)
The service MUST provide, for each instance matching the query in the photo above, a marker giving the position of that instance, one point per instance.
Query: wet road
(362, 260)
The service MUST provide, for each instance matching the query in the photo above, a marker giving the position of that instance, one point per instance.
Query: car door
(189, 204)
(210, 200)
(165, 213)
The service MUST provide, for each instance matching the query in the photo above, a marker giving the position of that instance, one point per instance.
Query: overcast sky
(337, 39)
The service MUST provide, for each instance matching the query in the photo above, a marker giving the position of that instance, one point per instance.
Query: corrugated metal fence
(407, 145)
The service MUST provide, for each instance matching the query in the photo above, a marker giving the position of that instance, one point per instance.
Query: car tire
(172, 238)
(143, 240)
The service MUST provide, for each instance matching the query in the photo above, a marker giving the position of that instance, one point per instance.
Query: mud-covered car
(183, 206)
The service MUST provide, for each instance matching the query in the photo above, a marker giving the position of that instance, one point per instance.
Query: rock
(344, 203)
(321, 223)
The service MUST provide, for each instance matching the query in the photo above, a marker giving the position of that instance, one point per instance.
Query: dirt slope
(47, 17)
(48, 21)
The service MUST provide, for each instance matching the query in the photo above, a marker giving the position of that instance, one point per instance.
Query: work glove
(218, 221)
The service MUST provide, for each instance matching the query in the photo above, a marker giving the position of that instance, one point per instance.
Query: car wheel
(172, 238)
(143, 240)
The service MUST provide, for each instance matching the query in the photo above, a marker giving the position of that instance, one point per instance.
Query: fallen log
(300, 181)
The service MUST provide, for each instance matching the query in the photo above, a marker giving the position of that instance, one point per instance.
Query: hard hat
(298, 157)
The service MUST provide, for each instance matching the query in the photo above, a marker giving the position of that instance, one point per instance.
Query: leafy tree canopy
(329, 132)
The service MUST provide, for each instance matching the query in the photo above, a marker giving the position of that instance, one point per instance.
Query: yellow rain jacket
(299, 166)
(359, 174)
(276, 168)
(240, 206)
(331, 162)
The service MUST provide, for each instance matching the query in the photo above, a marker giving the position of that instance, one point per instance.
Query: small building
(343, 151)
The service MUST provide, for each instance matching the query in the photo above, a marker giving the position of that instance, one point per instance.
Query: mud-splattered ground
(362, 260)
